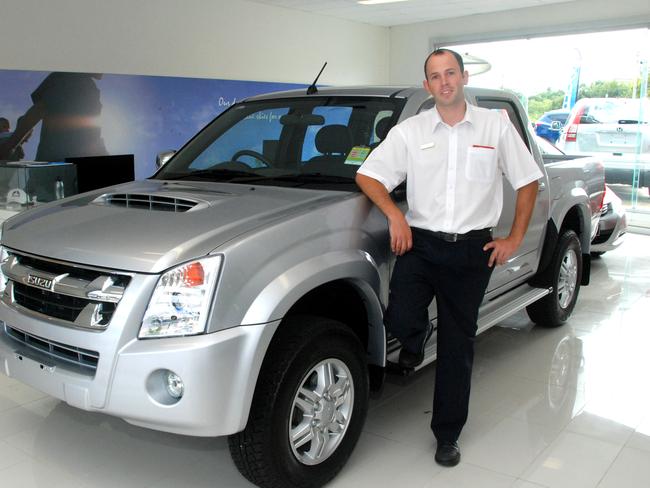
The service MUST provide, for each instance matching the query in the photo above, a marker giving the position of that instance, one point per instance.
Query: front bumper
(219, 371)
(611, 231)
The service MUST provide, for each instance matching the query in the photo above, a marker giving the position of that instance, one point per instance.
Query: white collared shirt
(453, 174)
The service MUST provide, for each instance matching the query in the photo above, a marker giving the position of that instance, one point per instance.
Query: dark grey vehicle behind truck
(240, 291)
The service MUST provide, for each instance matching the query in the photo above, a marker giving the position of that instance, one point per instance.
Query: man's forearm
(526, 196)
(501, 248)
(378, 194)
(401, 238)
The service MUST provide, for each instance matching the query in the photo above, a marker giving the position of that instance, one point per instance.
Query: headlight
(181, 300)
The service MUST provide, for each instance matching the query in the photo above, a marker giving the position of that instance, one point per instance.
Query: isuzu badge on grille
(39, 282)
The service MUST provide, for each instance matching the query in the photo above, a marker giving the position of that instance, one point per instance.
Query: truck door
(523, 263)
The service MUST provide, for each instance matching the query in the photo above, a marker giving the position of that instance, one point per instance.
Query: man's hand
(502, 249)
(401, 238)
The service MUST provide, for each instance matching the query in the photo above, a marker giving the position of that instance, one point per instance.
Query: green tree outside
(606, 89)
(543, 102)
(552, 99)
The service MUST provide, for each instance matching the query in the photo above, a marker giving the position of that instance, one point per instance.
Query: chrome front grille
(83, 297)
(63, 307)
(63, 352)
(149, 202)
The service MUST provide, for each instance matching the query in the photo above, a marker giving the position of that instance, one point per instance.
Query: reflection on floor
(568, 407)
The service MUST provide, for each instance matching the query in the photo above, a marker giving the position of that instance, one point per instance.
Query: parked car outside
(616, 126)
(544, 127)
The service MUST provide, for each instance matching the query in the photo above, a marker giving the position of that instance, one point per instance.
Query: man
(452, 158)
(68, 104)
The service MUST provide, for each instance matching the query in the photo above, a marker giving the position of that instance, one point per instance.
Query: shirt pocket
(481, 164)
(428, 160)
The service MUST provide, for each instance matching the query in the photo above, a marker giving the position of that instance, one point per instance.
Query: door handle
(541, 187)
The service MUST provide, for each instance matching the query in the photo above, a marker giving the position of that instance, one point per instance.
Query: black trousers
(457, 274)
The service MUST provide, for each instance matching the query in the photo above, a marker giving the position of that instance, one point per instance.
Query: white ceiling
(407, 12)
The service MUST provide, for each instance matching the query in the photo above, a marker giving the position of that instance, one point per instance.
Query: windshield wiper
(213, 173)
(299, 178)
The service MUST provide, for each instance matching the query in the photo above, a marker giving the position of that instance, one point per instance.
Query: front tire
(308, 409)
(566, 270)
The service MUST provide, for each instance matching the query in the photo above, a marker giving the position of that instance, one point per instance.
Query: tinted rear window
(615, 111)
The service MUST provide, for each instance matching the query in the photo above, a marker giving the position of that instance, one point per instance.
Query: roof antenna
(312, 88)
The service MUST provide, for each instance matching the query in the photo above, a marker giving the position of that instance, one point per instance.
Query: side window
(333, 116)
(255, 133)
(507, 108)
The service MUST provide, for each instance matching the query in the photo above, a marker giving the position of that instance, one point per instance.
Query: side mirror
(163, 157)
(556, 125)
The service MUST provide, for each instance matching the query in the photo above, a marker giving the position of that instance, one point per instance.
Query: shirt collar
(437, 120)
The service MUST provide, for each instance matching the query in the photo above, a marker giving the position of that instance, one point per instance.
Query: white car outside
(615, 126)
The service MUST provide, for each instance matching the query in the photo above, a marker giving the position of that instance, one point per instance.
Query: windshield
(616, 111)
(306, 141)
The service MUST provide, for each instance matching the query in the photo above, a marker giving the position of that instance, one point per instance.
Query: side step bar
(490, 314)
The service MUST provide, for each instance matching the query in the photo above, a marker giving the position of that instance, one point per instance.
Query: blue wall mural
(95, 114)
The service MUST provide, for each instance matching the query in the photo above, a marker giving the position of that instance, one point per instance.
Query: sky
(530, 66)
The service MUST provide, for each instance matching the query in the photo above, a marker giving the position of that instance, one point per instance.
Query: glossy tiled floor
(550, 408)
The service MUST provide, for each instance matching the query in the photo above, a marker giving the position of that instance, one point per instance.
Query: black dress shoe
(410, 360)
(448, 453)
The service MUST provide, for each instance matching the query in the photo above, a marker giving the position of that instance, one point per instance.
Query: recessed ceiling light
(376, 2)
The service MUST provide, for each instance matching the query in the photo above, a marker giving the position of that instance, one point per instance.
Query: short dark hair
(441, 51)
(4, 124)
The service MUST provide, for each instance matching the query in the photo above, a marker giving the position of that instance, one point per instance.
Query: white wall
(237, 39)
(409, 44)
(230, 39)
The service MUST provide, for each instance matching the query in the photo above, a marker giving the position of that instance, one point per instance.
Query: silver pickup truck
(240, 290)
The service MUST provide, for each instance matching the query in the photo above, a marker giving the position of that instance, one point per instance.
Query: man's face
(445, 81)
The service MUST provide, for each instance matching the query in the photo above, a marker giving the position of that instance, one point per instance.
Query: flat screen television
(95, 172)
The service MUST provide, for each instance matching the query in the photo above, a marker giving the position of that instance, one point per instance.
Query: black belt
(447, 237)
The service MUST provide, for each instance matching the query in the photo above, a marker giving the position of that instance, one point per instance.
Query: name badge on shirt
(427, 145)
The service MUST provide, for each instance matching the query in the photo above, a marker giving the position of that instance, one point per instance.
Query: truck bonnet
(149, 226)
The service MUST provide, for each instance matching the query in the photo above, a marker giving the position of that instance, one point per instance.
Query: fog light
(175, 386)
